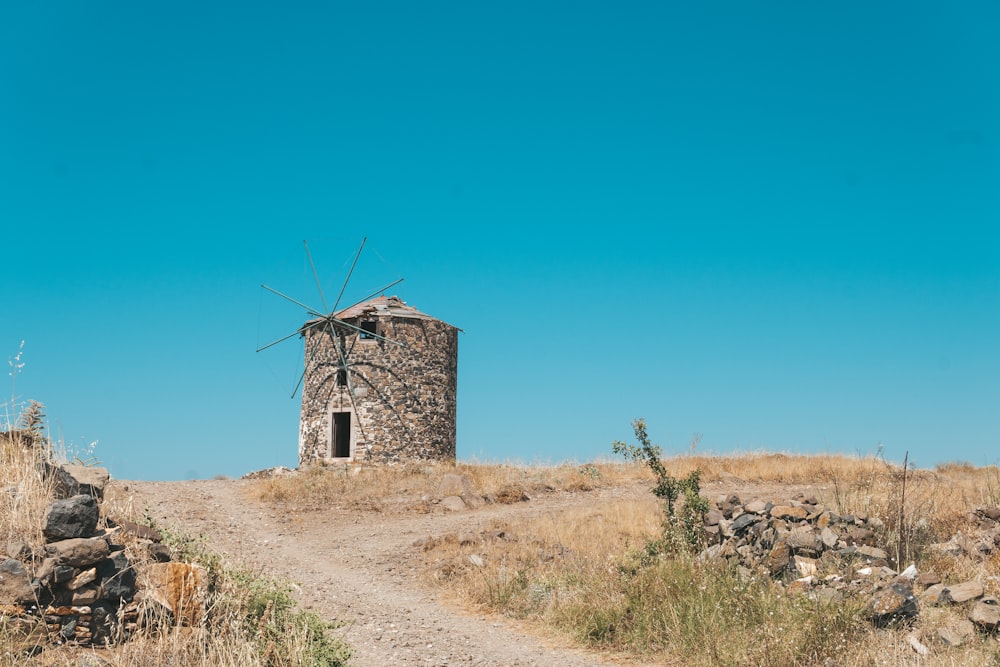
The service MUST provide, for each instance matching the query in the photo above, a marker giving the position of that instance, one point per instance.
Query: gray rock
(117, 577)
(893, 606)
(778, 559)
(992, 513)
(71, 517)
(45, 570)
(453, 504)
(985, 614)
(742, 522)
(78, 552)
(927, 579)
(956, 634)
(15, 586)
(959, 593)
(755, 507)
(19, 550)
(727, 504)
(932, 595)
(872, 552)
(713, 517)
(829, 538)
(86, 596)
(454, 484)
(72, 480)
(159, 552)
(139, 530)
(804, 538)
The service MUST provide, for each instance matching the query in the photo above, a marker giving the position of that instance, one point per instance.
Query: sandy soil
(362, 569)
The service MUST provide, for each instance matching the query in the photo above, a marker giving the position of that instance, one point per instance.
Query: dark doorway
(341, 436)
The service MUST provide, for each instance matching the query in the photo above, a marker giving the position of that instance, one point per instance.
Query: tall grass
(581, 572)
(251, 619)
(25, 490)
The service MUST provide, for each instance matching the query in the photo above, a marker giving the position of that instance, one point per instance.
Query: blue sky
(774, 224)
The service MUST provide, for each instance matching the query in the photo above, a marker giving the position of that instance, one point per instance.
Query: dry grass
(410, 487)
(570, 572)
(251, 620)
(25, 494)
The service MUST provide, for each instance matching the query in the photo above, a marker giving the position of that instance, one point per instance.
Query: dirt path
(360, 568)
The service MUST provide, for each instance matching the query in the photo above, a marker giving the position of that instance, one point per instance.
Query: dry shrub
(25, 493)
(510, 494)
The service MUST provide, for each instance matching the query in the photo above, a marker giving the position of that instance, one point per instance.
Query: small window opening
(369, 329)
(342, 377)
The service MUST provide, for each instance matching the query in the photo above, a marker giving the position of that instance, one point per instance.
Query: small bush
(683, 526)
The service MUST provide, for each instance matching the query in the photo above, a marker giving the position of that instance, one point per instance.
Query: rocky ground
(362, 569)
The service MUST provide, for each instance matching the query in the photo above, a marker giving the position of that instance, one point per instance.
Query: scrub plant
(682, 525)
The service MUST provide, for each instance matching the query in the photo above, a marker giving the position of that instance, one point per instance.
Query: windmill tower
(395, 397)
(379, 384)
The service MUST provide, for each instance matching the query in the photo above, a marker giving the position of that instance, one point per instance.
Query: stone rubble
(811, 550)
(81, 588)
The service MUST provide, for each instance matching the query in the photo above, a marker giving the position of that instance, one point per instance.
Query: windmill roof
(391, 306)
(382, 305)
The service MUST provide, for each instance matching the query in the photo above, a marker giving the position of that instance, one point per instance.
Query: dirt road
(361, 569)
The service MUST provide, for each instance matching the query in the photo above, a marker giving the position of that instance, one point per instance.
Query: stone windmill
(379, 382)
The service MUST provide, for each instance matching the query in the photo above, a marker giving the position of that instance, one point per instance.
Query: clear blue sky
(773, 223)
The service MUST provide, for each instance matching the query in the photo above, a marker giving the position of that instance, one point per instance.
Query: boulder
(19, 550)
(788, 512)
(927, 579)
(956, 634)
(159, 552)
(15, 586)
(453, 503)
(117, 578)
(894, 605)
(454, 484)
(778, 559)
(139, 530)
(932, 595)
(179, 587)
(86, 596)
(959, 593)
(78, 552)
(743, 522)
(985, 614)
(72, 480)
(803, 537)
(873, 553)
(71, 518)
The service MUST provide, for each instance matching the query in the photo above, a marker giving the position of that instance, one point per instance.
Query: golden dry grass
(409, 487)
(251, 621)
(25, 494)
(563, 571)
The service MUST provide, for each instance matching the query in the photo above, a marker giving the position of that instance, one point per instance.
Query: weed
(683, 528)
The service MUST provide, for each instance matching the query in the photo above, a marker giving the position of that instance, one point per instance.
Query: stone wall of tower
(405, 395)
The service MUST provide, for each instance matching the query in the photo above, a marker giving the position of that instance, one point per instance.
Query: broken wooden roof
(382, 306)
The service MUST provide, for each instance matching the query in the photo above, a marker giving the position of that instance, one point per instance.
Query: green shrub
(683, 526)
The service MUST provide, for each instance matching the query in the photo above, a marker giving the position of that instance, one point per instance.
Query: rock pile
(811, 550)
(81, 588)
